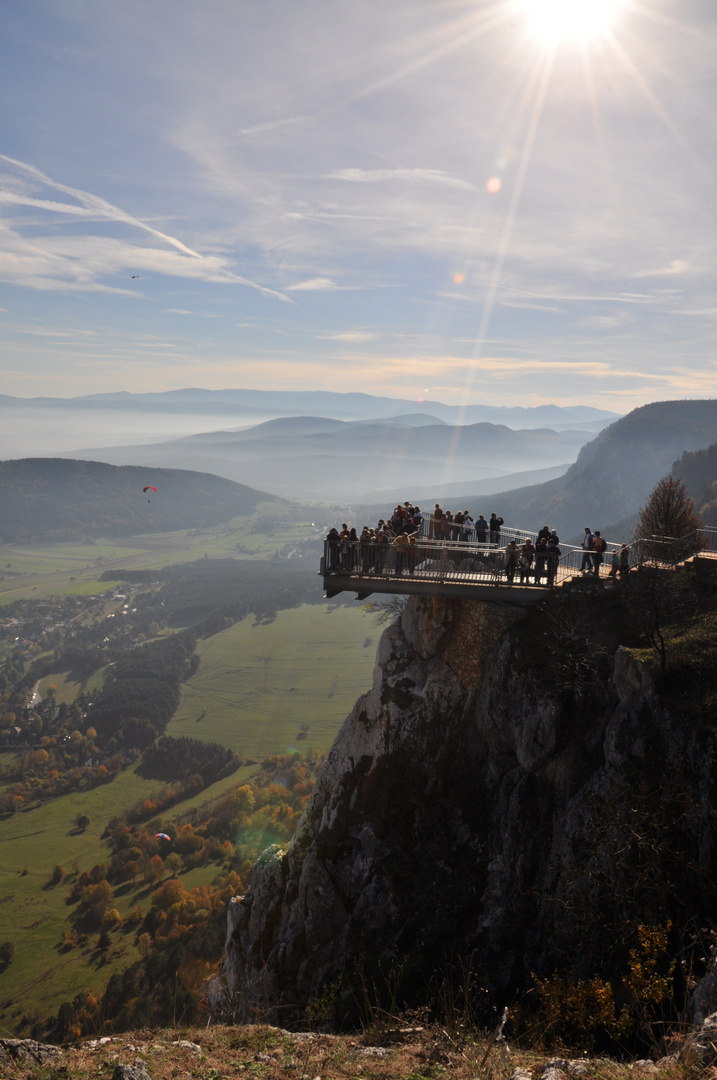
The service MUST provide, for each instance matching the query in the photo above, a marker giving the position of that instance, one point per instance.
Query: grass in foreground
(267, 1053)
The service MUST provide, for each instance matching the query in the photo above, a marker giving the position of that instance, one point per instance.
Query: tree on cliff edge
(667, 529)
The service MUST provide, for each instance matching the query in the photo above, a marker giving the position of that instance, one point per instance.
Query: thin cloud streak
(96, 208)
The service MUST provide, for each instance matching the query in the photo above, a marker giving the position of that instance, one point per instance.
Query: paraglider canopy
(149, 488)
(161, 836)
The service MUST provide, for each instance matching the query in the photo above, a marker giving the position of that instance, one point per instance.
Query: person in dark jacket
(332, 549)
(541, 554)
(494, 526)
(552, 558)
(481, 529)
(512, 554)
(527, 554)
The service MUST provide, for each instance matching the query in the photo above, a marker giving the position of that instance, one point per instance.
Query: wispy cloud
(358, 336)
(419, 176)
(676, 266)
(60, 262)
(319, 284)
(272, 125)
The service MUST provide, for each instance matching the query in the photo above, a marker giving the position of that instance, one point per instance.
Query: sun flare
(582, 21)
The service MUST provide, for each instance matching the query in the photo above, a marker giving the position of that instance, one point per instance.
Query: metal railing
(670, 551)
(469, 561)
(449, 560)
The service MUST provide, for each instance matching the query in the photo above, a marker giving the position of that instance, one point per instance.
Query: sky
(504, 201)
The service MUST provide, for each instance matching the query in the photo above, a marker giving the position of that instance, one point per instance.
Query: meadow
(39, 570)
(262, 687)
(279, 687)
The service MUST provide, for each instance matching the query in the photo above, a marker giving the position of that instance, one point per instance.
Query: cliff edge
(504, 798)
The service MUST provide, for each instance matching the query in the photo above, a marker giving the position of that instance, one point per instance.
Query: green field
(37, 570)
(258, 684)
(262, 688)
(34, 913)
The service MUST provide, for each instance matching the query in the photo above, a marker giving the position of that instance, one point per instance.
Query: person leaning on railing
(511, 560)
(332, 549)
(598, 550)
(552, 558)
(400, 546)
(527, 553)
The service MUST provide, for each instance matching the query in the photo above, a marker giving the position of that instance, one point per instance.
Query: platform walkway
(463, 569)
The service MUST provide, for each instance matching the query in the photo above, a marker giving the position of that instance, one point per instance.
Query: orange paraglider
(149, 488)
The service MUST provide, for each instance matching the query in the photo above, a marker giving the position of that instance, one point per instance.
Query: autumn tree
(667, 529)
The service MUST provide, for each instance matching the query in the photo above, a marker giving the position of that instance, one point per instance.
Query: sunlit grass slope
(33, 912)
(258, 684)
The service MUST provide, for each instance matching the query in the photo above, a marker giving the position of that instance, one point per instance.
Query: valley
(272, 686)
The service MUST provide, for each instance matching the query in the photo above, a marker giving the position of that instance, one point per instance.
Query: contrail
(94, 204)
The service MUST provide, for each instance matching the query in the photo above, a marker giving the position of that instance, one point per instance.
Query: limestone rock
(467, 802)
(130, 1072)
(26, 1052)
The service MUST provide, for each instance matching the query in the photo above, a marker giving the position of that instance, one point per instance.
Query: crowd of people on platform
(393, 543)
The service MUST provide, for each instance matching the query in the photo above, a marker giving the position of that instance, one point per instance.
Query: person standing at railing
(412, 554)
(381, 551)
(599, 546)
(481, 529)
(353, 548)
(467, 527)
(434, 528)
(511, 560)
(400, 545)
(614, 563)
(332, 549)
(624, 567)
(541, 553)
(587, 545)
(494, 527)
(552, 558)
(366, 548)
(527, 553)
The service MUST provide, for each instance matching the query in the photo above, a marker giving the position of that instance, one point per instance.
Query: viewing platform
(463, 569)
(446, 568)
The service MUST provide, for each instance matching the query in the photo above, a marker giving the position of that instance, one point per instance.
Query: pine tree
(667, 529)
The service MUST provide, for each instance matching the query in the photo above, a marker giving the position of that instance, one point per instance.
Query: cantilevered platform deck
(445, 568)
(464, 569)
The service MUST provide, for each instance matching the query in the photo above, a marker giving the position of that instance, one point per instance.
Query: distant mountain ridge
(317, 458)
(55, 499)
(350, 406)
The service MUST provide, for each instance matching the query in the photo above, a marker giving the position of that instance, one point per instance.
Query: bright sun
(554, 21)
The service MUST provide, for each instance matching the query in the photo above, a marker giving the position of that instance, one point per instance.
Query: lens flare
(493, 185)
(555, 21)
(458, 279)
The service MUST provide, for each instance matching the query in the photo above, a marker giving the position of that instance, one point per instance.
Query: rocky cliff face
(475, 812)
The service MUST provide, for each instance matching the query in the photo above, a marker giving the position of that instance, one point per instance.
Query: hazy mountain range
(254, 405)
(77, 427)
(414, 456)
(309, 457)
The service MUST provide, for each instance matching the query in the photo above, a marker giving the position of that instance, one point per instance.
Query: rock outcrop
(487, 805)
